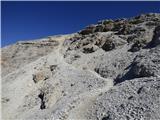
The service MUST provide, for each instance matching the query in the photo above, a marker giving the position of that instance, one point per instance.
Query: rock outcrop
(107, 71)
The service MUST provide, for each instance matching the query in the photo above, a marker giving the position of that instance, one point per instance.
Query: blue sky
(32, 20)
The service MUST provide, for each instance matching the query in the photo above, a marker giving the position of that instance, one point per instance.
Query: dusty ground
(108, 71)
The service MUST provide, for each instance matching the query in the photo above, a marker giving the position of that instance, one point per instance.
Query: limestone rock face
(107, 71)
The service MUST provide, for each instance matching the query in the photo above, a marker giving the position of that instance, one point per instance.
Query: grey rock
(145, 64)
(107, 71)
(156, 38)
(136, 99)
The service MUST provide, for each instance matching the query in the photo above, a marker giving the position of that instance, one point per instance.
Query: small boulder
(40, 76)
(108, 45)
(88, 30)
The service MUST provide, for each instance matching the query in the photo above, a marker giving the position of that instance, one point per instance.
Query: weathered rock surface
(136, 99)
(108, 71)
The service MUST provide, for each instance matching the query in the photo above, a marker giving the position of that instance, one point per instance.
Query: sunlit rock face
(107, 71)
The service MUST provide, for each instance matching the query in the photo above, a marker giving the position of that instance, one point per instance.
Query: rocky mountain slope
(107, 71)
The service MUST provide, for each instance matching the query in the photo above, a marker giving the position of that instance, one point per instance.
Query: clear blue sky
(31, 20)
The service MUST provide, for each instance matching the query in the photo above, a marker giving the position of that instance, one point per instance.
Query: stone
(107, 71)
